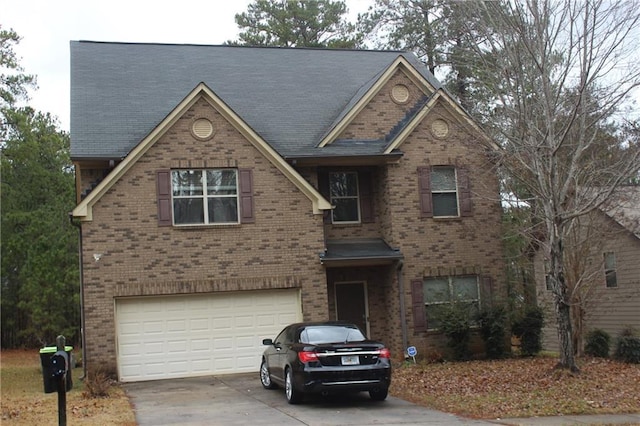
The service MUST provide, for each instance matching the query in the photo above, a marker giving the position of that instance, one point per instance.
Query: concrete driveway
(239, 399)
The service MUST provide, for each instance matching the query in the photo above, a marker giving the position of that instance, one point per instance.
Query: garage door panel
(246, 321)
(149, 327)
(199, 324)
(199, 345)
(181, 336)
(152, 348)
(222, 323)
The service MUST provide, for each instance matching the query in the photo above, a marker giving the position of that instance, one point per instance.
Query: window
(443, 292)
(444, 191)
(610, 276)
(547, 276)
(350, 192)
(201, 196)
(204, 196)
(343, 187)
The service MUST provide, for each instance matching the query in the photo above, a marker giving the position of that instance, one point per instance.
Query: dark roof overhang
(345, 160)
(359, 252)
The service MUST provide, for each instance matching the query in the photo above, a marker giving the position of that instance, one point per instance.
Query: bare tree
(560, 71)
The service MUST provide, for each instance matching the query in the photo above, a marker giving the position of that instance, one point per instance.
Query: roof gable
(440, 97)
(83, 210)
(624, 208)
(364, 97)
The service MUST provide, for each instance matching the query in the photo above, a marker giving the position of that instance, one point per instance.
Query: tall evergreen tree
(296, 23)
(39, 265)
(438, 32)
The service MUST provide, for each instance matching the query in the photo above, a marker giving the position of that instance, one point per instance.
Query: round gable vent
(400, 93)
(202, 128)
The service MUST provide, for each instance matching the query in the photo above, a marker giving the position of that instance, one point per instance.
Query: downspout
(81, 273)
(403, 309)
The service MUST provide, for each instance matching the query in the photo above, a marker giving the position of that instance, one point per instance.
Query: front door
(351, 304)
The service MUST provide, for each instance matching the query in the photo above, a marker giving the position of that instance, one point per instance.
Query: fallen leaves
(521, 387)
(25, 403)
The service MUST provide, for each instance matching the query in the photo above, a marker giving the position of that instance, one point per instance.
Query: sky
(47, 26)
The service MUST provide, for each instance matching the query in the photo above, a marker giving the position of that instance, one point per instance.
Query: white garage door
(181, 336)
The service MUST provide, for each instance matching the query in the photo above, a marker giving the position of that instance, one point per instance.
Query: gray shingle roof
(624, 208)
(290, 97)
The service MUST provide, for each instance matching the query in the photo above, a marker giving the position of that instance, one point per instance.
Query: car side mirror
(267, 342)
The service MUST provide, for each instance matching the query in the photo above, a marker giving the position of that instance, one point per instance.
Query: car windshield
(321, 334)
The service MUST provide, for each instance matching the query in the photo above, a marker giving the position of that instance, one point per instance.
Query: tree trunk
(561, 302)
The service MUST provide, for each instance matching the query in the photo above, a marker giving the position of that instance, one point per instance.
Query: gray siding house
(609, 291)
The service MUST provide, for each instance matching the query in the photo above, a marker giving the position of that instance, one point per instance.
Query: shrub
(529, 330)
(628, 347)
(493, 328)
(597, 343)
(97, 383)
(455, 324)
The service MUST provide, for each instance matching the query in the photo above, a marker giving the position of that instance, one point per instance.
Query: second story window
(444, 191)
(204, 196)
(343, 187)
(610, 275)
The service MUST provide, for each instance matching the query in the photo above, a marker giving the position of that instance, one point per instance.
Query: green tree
(438, 32)
(39, 265)
(296, 23)
(13, 83)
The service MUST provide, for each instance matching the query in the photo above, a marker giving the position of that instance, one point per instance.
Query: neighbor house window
(343, 187)
(441, 293)
(611, 278)
(204, 196)
(444, 191)
(547, 276)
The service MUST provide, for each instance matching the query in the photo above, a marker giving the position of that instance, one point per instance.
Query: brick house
(606, 254)
(224, 192)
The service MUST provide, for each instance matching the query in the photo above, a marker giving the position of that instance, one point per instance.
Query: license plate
(350, 360)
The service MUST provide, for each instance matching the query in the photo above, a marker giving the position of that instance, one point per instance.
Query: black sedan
(325, 357)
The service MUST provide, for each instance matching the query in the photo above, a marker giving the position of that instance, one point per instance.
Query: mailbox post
(56, 374)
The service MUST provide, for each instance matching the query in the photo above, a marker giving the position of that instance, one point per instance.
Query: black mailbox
(55, 365)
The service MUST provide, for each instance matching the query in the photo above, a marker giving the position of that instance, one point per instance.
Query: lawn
(518, 387)
(25, 403)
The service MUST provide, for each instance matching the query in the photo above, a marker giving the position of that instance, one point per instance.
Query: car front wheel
(293, 396)
(378, 394)
(265, 376)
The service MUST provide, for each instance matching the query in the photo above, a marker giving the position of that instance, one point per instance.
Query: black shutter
(163, 191)
(417, 302)
(323, 187)
(464, 192)
(365, 183)
(424, 188)
(245, 179)
(486, 290)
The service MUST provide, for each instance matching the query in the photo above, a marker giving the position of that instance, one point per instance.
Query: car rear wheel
(265, 376)
(378, 394)
(293, 396)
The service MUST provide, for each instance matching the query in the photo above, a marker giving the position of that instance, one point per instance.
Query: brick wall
(279, 250)
(450, 246)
